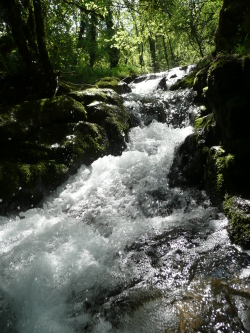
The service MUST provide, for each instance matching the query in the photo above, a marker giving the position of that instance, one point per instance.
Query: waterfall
(117, 250)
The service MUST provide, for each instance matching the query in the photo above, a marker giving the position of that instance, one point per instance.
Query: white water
(69, 266)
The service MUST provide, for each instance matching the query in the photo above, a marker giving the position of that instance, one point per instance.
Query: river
(117, 250)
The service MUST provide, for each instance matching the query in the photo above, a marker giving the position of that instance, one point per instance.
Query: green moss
(88, 142)
(217, 170)
(186, 82)
(204, 123)
(204, 92)
(108, 82)
(25, 173)
(237, 211)
(20, 179)
(21, 120)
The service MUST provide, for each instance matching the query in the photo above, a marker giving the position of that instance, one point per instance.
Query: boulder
(114, 83)
(44, 141)
(237, 210)
(162, 84)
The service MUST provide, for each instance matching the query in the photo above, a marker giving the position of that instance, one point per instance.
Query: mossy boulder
(114, 83)
(90, 95)
(218, 170)
(216, 156)
(110, 117)
(45, 141)
(18, 121)
(237, 210)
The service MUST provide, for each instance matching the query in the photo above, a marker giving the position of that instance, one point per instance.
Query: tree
(25, 19)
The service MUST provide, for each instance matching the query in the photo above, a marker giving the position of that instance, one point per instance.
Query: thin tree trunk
(49, 75)
(17, 28)
(165, 50)
(153, 54)
(92, 37)
(171, 50)
(114, 53)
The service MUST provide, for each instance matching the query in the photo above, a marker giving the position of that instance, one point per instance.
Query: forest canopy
(83, 39)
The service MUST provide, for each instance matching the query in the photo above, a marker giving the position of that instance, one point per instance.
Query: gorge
(117, 249)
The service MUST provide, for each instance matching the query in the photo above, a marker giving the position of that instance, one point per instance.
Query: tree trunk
(92, 38)
(153, 54)
(140, 47)
(48, 73)
(114, 53)
(18, 31)
(171, 51)
(165, 50)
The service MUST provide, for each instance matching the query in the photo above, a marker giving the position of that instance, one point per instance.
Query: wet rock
(151, 112)
(183, 68)
(140, 79)
(151, 77)
(129, 79)
(196, 315)
(162, 84)
(199, 84)
(123, 88)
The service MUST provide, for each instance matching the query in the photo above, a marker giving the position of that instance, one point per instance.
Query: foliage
(85, 40)
(244, 48)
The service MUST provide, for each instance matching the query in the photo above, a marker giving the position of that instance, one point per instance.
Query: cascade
(117, 250)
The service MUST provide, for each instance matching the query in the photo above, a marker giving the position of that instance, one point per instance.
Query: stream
(117, 250)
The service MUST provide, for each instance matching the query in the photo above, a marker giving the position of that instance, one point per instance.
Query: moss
(217, 170)
(91, 95)
(88, 142)
(22, 180)
(106, 115)
(186, 82)
(237, 211)
(108, 82)
(21, 120)
(204, 123)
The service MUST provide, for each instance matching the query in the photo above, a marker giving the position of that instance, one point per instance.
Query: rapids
(116, 250)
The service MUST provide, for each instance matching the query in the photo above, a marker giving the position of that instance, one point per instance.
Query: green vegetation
(82, 41)
(238, 213)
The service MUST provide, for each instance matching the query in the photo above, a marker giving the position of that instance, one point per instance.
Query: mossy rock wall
(44, 141)
(234, 25)
(216, 156)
